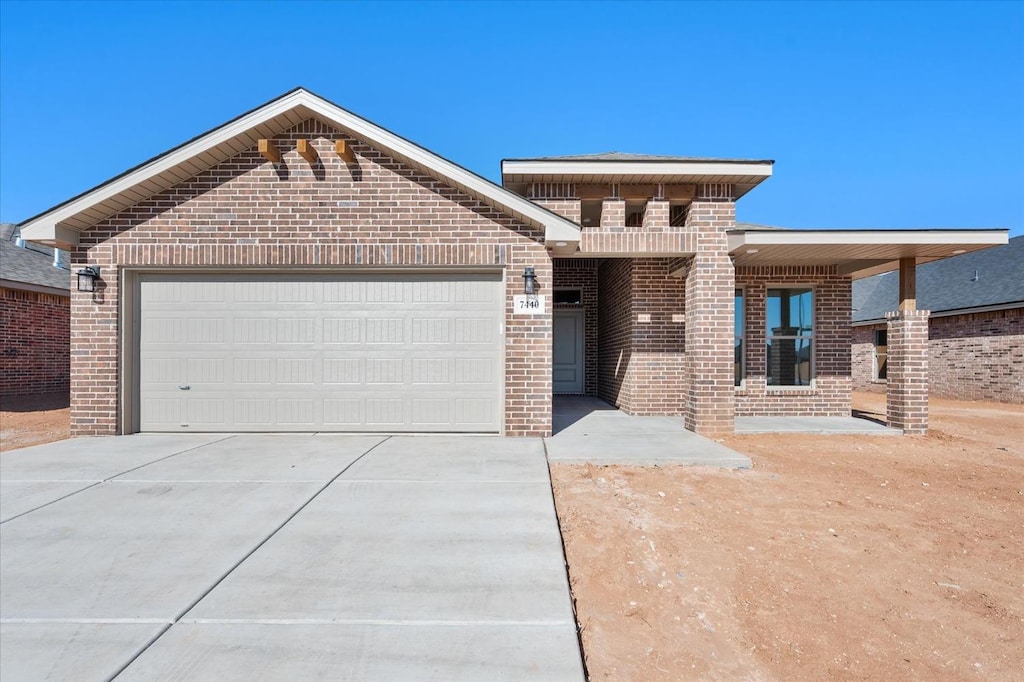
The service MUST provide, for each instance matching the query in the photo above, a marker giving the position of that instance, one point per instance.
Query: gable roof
(992, 277)
(31, 265)
(62, 224)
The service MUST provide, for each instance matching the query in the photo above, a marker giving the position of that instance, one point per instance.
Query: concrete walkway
(226, 558)
(591, 430)
(817, 425)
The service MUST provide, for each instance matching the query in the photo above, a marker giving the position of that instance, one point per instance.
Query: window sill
(791, 389)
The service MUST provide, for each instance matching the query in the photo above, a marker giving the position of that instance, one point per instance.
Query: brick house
(35, 314)
(975, 331)
(301, 268)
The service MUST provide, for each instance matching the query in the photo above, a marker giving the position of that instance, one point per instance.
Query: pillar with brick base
(907, 383)
(710, 287)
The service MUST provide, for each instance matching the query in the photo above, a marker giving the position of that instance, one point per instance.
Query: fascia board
(602, 168)
(987, 237)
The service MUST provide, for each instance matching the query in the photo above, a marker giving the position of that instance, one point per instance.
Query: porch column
(710, 286)
(613, 214)
(907, 381)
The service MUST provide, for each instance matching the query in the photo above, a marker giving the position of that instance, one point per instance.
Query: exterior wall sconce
(529, 281)
(87, 277)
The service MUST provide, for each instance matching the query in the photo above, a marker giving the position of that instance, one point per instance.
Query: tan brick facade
(975, 356)
(35, 328)
(249, 213)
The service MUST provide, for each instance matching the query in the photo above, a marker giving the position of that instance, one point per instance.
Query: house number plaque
(528, 305)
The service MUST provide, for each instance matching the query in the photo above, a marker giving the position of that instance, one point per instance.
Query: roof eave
(864, 252)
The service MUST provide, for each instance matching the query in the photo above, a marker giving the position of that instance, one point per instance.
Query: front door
(567, 361)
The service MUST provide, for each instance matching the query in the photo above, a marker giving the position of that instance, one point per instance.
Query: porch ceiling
(858, 253)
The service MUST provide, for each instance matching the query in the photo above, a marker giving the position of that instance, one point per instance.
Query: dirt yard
(841, 557)
(31, 420)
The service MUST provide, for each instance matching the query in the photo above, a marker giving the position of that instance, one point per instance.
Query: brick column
(656, 215)
(613, 214)
(710, 284)
(907, 384)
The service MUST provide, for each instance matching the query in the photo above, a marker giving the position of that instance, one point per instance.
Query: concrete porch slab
(816, 425)
(591, 430)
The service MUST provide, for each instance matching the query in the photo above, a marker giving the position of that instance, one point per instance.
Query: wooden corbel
(270, 151)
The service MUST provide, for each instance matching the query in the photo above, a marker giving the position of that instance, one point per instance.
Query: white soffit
(858, 253)
(62, 224)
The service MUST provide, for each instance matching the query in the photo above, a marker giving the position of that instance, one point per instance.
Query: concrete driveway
(214, 557)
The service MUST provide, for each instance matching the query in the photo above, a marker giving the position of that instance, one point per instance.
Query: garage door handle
(185, 387)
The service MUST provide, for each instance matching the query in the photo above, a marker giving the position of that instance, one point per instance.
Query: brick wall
(830, 395)
(35, 329)
(978, 356)
(247, 212)
(615, 342)
(581, 273)
(862, 358)
(641, 336)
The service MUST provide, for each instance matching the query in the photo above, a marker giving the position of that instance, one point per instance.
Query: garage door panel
(347, 353)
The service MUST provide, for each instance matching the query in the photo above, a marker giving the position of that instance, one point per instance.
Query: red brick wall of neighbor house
(831, 393)
(978, 356)
(35, 329)
(247, 212)
(581, 273)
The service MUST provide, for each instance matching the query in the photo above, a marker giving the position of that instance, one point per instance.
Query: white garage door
(401, 353)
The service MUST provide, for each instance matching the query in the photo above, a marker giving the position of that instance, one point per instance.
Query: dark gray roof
(626, 156)
(988, 277)
(32, 264)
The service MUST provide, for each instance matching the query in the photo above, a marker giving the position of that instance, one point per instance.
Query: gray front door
(567, 362)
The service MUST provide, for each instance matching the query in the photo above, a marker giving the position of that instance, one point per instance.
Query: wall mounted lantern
(87, 277)
(529, 281)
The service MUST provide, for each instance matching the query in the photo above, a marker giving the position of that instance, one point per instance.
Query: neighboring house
(300, 268)
(975, 332)
(34, 317)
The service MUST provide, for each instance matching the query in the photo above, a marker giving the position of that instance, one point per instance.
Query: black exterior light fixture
(529, 281)
(87, 277)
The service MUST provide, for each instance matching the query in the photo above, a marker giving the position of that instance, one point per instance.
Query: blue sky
(877, 114)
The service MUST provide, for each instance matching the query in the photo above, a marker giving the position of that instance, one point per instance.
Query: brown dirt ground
(834, 557)
(32, 419)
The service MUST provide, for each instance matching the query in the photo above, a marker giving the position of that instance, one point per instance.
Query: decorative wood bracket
(269, 151)
(307, 151)
(344, 151)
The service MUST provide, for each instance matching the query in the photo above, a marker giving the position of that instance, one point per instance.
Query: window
(739, 359)
(790, 336)
(881, 354)
(568, 297)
